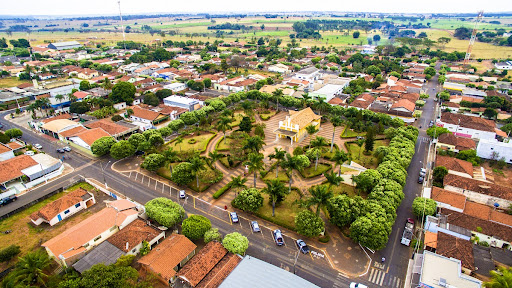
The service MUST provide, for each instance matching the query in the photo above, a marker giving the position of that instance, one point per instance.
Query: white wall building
(328, 92)
(309, 74)
(487, 148)
(176, 87)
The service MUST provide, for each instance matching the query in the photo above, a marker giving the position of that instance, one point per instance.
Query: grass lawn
(27, 236)
(200, 144)
(202, 186)
(267, 116)
(238, 118)
(11, 82)
(344, 189)
(223, 145)
(349, 133)
(345, 169)
(281, 175)
(285, 212)
(368, 161)
(310, 171)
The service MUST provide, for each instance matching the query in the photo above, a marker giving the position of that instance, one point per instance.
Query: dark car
(60, 150)
(139, 153)
(302, 246)
(234, 217)
(278, 237)
(421, 179)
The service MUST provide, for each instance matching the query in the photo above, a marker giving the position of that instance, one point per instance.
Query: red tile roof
(4, 148)
(144, 113)
(204, 261)
(466, 121)
(91, 135)
(133, 234)
(72, 131)
(220, 271)
(455, 164)
(490, 189)
(453, 199)
(403, 103)
(460, 143)
(167, 255)
(453, 247)
(11, 168)
(61, 116)
(108, 125)
(51, 210)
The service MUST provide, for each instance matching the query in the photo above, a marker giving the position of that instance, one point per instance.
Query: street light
(103, 170)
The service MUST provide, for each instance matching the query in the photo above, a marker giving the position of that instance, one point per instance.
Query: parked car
(421, 179)
(67, 149)
(302, 246)
(255, 226)
(29, 153)
(7, 197)
(408, 232)
(357, 285)
(182, 194)
(234, 217)
(60, 150)
(278, 237)
(423, 172)
(38, 146)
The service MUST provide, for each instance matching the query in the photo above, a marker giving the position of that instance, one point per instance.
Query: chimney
(127, 246)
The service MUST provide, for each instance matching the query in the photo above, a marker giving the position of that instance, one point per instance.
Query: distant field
(11, 82)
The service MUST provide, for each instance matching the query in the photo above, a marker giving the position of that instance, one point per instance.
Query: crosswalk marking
(377, 276)
(337, 282)
(423, 139)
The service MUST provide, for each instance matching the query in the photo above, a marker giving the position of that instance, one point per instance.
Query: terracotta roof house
(468, 126)
(15, 145)
(402, 107)
(448, 199)
(115, 129)
(455, 166)
(128, 241)
(479, 191)
(147, 116)
(454, 143)
(5, 152)
(487, 213)
(80, 95)
(453, 247)
(64, 207)
(209, 267)
(73, 243)
(294, 125)
(168, 257)
(362, 101)
(87, 137)
(11, 169)
(54, 128)
(336, 101)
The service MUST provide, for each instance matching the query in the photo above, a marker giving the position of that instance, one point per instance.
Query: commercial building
(492, 149)
(64, 45)
(328, 92)
(182, 102)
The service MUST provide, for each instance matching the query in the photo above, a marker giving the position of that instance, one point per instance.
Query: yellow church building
(294, 125)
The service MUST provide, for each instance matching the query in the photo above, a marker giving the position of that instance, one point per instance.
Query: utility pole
(473, 36)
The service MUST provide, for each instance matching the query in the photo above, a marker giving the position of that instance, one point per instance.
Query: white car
(29, 153)
(38, 146)
(182, 194)
(357, 285)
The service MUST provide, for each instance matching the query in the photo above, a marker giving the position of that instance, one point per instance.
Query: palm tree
(129, 112)
(318, 143)
(45, 104)
(197, 165)
(501, 278)
(311, 129)
(72, 98)
(171, 156)
(319, 197)
(335, 121)
(321, 105)
(333, 179)
(339, 158)
(255, 144)
(223, 125)
(306, 99)
(247, 106)
(255, 164)
(30, 269)
(178, 141)
(238, 183)
(279, 156)
(276, 190)
(359, 143)
(289, 163)
(214, 156)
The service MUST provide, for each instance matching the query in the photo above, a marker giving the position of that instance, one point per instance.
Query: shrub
(212, 235)
(164, 211)
(9, 252)
(195, 226)
(221, 191)
(324, 239)
(192, 141)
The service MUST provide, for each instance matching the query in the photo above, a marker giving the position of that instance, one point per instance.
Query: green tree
(422, 207)
(255, 164)
(490, 113)
(123, 92)
(164, 211)
(101, 275)
(298, 162)
(311, 129)
(249, 200)
(438, 174)
(279, 155)
(276, 191)
(212, 235)
(235, 243)
(369, 140)
(30, 270)
(79, 107)
(320, 195)
(336, 122)
(333, 179)
(356, 34)
(436, 131)
(376, 38)
(339, 158)
(153, 162)
(13, 133)
(195, 226)
(102, 146)
(245, 125)
(343, 209)
(318, 143)
(309, 224)
(183, 173)
(122, 149)
(136, 139)
(151, 99)
(237, 183)
(156, 140)
(501, 278)
(9, 252)
(367, 180)
(254, 144)
(85, 85)
(370, 232)
(223, 125)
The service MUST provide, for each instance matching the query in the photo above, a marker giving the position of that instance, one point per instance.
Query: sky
(109, 7)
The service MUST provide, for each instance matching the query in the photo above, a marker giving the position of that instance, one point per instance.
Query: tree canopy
(195, 226)
(309, 224)
(235, 243)
(249, 200)
(165, 211)
(102, 146)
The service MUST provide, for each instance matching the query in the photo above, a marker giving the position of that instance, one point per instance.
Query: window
(77, 205)
(97, 238)
(66, 212)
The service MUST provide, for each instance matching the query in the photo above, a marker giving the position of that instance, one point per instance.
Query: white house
(64, 207)
(87, 137)
(182, 102)
(176, 87)
(468, 126)
(328, 92)
(5, 152)
(309, 74)
(504, 65)
(490, 149)
(279, 68)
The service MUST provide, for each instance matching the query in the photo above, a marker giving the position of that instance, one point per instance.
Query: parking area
(243, 226)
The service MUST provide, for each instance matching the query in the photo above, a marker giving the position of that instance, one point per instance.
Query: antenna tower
(473, 36)
(122, 26)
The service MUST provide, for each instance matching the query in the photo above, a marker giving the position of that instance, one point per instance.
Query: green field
(11, 82)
